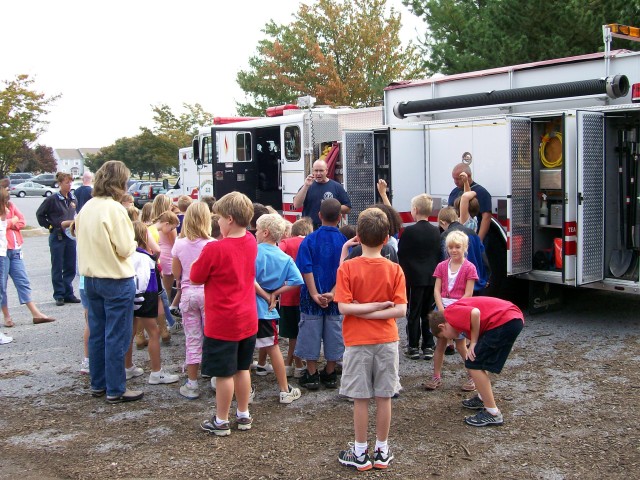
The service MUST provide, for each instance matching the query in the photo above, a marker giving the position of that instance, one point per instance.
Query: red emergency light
(635, 93)
(279, 110)
(225, 120)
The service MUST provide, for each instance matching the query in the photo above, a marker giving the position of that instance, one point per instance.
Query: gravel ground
(569, 393)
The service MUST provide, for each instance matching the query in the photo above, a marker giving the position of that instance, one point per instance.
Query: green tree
(467, 35)
(341, 52)
(179, 129)
(45, 158)
(22, 112)
(24, 160)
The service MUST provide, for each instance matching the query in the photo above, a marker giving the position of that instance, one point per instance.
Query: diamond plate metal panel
(359, 179)
(521, 203)
(591, 185)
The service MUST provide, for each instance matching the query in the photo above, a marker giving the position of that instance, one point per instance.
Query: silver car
(32, 189)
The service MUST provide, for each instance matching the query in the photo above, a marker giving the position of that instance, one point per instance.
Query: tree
(467, 35)
(25, 159)
(145, 153)
(179, 130)
(21, 118)
(341, 52)
(46, 161)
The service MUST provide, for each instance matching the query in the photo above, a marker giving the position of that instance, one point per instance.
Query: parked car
(32, 189)
(22, 176)
(48, 179)
(75, 184)
(145, 192)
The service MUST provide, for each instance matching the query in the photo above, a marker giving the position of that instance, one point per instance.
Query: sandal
(468, 386)
(8, 323)
(433, 384)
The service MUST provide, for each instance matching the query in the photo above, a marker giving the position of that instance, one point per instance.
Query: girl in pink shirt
(194, 235)
(455, 278)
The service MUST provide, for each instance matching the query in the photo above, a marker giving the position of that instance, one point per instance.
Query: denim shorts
(84, 299)
(494, 346)
(370, 371)
(315, 330)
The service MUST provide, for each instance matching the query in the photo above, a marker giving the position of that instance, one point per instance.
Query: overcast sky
(112, 60)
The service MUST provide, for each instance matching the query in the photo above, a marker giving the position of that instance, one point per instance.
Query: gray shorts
(370, 371)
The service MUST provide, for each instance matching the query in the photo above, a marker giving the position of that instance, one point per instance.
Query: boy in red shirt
(492, 326)
(371, 294)
(227, 269)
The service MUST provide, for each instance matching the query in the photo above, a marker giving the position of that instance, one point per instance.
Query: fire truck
(268, 158)
(555, 142)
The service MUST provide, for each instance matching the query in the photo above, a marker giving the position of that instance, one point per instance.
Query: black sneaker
(72, 300)
(221, 430)
(484, 419)
(427, 353)
(329, 380)
(59, 302)
(309, 381)
(380, 460)
(350, 459)
(450, 350)
(412, 353)
(473, 403)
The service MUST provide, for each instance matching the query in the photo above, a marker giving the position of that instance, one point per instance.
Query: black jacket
(55, 209)
(419, 253)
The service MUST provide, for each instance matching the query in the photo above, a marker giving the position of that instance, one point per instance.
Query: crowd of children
(238, 277)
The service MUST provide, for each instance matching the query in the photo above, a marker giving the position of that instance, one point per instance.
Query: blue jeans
(165, 304)
(110, 331)
(63, 265)
(14, 268)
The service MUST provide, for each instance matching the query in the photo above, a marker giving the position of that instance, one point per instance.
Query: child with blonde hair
(196, 227)
(276, 273)
(146, 308)
(455, 279)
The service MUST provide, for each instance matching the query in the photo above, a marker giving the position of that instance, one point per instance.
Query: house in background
(71, 160)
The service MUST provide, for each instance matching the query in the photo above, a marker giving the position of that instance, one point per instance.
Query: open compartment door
(590, 248)
(359, 171)
(519, 198)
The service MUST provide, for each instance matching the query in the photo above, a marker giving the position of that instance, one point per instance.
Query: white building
(71, 160)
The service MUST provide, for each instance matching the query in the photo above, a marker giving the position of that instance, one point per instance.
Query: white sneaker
(213, 383)
(291, 395)
(156, 378)
(289, 369)
(84, 366)
(263, 370)
(133, 372)
(5, 339)
(298, 372)
(189, 392)
(252, 394)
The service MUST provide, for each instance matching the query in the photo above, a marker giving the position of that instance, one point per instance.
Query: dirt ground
(569, 393)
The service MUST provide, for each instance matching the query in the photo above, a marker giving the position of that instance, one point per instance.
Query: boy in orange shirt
(371, 294)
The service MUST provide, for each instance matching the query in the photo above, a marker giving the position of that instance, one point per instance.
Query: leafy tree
(341, 52)
(179, 129)
(467, 35)
(21, 118)
(145, 153)
(46, 161)
(25, 159)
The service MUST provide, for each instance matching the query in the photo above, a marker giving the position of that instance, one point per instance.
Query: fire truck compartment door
(292, 158)
(359, 172)
(590, 248)
(519, 197)
(235, 162)
(408, 176)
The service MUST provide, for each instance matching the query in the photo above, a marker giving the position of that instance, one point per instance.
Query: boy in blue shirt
(320, 321)
(275, 274)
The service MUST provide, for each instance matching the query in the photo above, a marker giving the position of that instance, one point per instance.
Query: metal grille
(521, 197)
(359, 172)
(592, 187)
